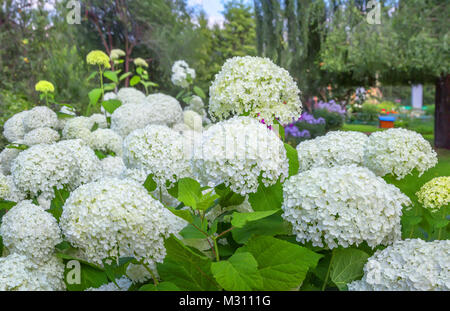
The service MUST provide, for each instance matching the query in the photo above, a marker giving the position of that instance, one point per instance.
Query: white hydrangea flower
(139, 274)
(106, 140)
(115, 218)
(257, 86)
(180, 128)
(100, 119)
(62, 120)
(8, 189)
(124, 284)
(180, 73)
(196, 104)
(193, 120)
(88, 166)
(29, 230)
(166, 109)
(109, 96)
(68, 110)
(129, 95)
(40, 116)
(7, 156)
(409, 265)
(18, 273)
(13, 129)
(343, 206)
(435, 194)
(41, 167)
(78, 128)
(334, 149)
(236, 152)
(158, 150)
(42, 135)
(128, 118)
(4, 187)
(112, 166)
(398, 152)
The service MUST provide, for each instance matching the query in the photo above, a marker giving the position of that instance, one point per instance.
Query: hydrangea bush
(148, 196)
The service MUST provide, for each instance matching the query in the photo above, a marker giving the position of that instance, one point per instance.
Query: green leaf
(241, 219)
(109, 86)
(411, 220)
(181, 93)
(238, 273)
(282, 265)
(94, 127)
(135, 80)
(100, 154)
(199, 92)
(91, 76)
(292, 156)
(279, 128)
(89, 277)
(64, 245)
(189, 192)
(62, 115)
(270, 226)
(7, 205)
(267, 198)
(94, 96)
(139, 70)
(125, 75)
(228, 197)
(115, 270)
(206, 200)
(163, 287)
(184, 214)
(56, 205)
(111, 75)
(346, 266)
(17, 146)
(186, 267)
(111, 105)
(150, 184)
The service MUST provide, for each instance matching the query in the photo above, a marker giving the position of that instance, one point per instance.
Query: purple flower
(331, 106)
(309, 118)
(292, 130)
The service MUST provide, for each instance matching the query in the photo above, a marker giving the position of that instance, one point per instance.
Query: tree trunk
(442, 114)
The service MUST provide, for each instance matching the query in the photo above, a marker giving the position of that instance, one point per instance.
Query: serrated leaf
(238, 273)
(346, 266)
(111, 105)
(271, 225)
(94, 96)
(163, 287)
(292, 156)
(135, 80)
(282, 265)
(198, 91)
(111, 75)
(267, 198)
(187, 268)
(241, 219)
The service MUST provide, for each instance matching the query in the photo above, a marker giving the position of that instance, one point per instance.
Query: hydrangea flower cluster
(44, 86)
(99, 58)
(42, 167)
(19, 273)
(13, 129)
(42, 135)
(193, 120)
(334, 149)
(196, 104)
(157, 150)
(78, 128)
(8, 189)
(123, 285)
(112, 218)
(29, 230)
(112, 166)
(398, 152)
(409, 265)
(343, 206)
(236, 152)
(180, 73)
(130, 95)
(166, 109)
(254, 85)
(435, 194)
(7, 156)
(40, 116)
(106, 140)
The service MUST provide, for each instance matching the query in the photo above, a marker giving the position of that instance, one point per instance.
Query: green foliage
(241, 219)
(56, 205)
(238, 273)
(333, 120)
(267, 198)
(282, 265)
(346, 266)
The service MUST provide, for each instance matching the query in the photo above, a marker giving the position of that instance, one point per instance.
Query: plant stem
(155, 280)
(101, 83)
(216, 247)
(328, 272)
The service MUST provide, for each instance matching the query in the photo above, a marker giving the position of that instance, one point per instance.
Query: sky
(213, 9)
